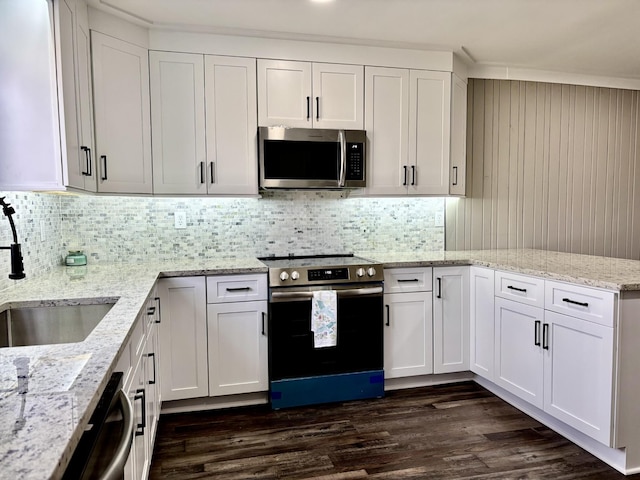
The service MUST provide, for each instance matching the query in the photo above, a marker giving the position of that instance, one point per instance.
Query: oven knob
(360, 272)
(295, 275)
(371, 271)
(284, 276)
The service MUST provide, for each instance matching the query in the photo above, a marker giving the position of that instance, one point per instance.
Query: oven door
(359, 345)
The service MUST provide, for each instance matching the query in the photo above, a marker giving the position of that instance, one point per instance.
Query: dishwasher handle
(116, 466)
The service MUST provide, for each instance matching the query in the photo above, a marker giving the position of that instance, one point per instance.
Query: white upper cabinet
(230, 91)
(203, 111)
(122, 117)
(178, 122)
(310, 95)
(387, 126)
(412, 132)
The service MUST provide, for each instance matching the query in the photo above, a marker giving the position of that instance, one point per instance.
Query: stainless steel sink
(23, 326)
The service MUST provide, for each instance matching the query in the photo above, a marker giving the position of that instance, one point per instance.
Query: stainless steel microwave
(311, 158)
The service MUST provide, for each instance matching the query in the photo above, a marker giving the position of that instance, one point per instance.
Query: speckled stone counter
(47, 393)
(600, 272)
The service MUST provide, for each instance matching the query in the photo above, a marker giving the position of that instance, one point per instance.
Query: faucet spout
(17, 264)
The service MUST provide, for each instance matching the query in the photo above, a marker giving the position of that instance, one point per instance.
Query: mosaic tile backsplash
(133, 229)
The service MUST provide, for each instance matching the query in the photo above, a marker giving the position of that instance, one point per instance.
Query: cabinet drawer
(597, 306)
(520, 288)
(236, 288)
(398, 280)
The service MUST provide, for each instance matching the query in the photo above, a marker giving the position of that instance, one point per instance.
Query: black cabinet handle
(404, 183)
(511, 287)
(413, 174)
(439, 280)
(388, 316)
(308, 108)
(317, 108)
(536, 333)
(87, 160)
(404, 280)
(140, 395)
(545, 336)
(104, 167)
(201, 172)
(212, 172)
(455, 176)
(238, 289)
(263, 315)
(159, 317)
(151, 311)
(573, 302)
(153, 356)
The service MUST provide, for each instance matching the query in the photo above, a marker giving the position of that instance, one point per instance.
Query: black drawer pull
(582, 304)
(153, 355)
(545, 336)
(405, 280)
(536, 333)
(140, 395)
(238, 289)
(511, 287)
(151, 311)
(263, 315)
(159, 318)
(439, 280)
(388, 316)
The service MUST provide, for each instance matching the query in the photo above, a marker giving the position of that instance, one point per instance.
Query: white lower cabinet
(578, 377)
(481, 321)
(183, 338)
(518, 349)
(408, 335)
(237, 344)
(138, 364)
(408, 330)
(450, 319)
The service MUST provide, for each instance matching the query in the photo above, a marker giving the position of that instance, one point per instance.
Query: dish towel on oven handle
(324, 318)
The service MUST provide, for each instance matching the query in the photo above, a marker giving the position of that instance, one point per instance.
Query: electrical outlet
(438, 220)
(180, 219)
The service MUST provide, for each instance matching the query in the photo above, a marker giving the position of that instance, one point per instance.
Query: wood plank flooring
(445, 432)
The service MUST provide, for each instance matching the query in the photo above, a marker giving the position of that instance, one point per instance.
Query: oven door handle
(306, 295)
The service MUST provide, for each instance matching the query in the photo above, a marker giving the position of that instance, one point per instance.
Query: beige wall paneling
(550, 166)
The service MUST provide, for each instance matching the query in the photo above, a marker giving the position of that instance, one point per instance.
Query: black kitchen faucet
(17, 266)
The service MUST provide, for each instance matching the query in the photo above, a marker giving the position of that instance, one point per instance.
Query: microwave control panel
(355, 161)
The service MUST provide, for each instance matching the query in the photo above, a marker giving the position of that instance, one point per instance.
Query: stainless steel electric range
(325, 329)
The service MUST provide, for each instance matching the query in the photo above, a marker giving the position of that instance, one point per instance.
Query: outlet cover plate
(180, 219)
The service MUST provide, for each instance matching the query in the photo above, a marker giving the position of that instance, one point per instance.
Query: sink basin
(22, 326)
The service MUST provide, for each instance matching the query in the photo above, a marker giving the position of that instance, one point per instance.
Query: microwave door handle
(343, 158)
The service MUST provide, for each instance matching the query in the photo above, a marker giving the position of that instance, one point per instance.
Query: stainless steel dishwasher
(105, 445)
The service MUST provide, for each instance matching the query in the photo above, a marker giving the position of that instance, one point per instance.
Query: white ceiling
(592, 37)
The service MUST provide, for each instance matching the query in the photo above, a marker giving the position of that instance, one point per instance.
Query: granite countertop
(600, 272)
(43, 413)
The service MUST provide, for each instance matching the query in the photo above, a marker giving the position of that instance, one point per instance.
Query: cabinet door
(237, 337)
(178, 122)
(85, 99)
(338, 96)
(429, 132)
(72, 155)
(230, 86)
(122, 115)
(408, 335)
(284, 93)
(183, 338)
(387, 126)
(152, 383)
(138, 397)
(578, 373)
(458, 163)
(518, 350)
(482, 321)
(450, 319)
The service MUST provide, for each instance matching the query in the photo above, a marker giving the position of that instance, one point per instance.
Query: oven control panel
(328, 274)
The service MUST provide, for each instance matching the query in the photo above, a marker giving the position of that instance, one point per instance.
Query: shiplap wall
(550, 166)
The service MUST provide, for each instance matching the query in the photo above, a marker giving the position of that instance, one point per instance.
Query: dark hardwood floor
(444, 432)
